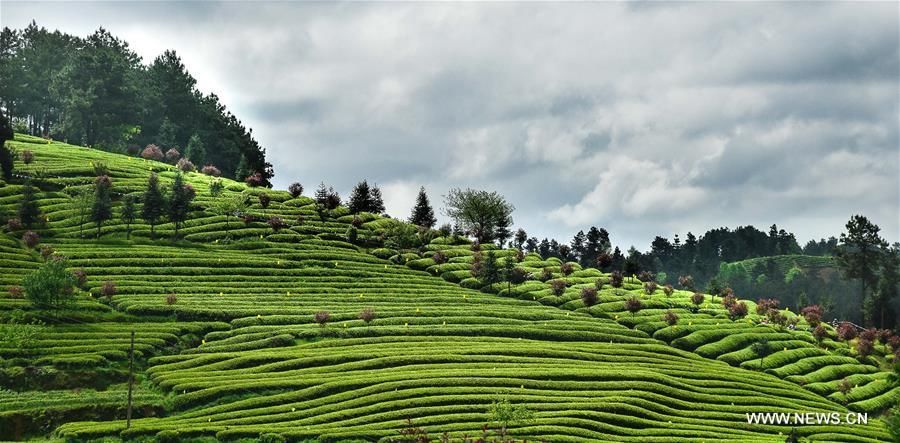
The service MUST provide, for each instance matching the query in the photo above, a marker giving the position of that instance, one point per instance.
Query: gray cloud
(644, 117)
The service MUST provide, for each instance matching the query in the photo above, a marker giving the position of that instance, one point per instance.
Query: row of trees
(95, 91)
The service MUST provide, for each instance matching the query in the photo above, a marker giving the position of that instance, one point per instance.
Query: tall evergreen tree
(102, 208)
(129, 212)
(360, 198)
(196, 151)
(180, 202)
(422, 213)
(578, 247)
(520, 239)
(153, 204)
(29, 213)
(490, 270)
(888, 288)
(377, 200)
(859, 253)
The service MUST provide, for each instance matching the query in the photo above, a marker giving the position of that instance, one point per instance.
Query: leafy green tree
(892, 421)
(154, 204)
(29, 213)
(102, 208)
(129, 212)
(888, 288)
(482, 213)
(166, 137)
(51, 285)
(859, 252)
(423, 213)
(503, 414)
(195, 150)
(228, 207)
(180, 200)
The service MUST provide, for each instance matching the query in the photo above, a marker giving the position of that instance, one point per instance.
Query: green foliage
(154, 202)
(482, 213)
(102, 208)
(422, 213)
(50, 286)
(196, 150)
(29, 213)
(503, 414)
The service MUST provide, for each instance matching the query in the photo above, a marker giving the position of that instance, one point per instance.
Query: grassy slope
(239, 354)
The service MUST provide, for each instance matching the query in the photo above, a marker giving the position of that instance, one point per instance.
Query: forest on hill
(95, 91)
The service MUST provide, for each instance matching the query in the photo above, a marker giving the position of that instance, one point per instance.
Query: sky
(644, 118)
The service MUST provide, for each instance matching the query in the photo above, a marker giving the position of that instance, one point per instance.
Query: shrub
(13, 224)
(356, 222)
(558, 287)
(846, 331)
(46, 251)
(844, 386)
(589, 296)
(819, 333)
(777, 318)
(171, 299)
(616, 279)
(322, 318)
(185, 165)
(884, 336)
(30, 239)
(248, 219)
(100, 168)
(80, 277)
(645, 276)
(670, 318)
(51, 285)
(864, 347)
(264, 200)
(152, 152)
(295, 189)
(277, 224)
(894, 343)
(697, 299)
(255, 180)
(729, 300)
(108, 289)
(737, 310)
(763, 305)
(352, 234)
(476, 246)
(604, 260)
(367, 315)
(566, 269)
(172, 155)
(26, 156)
(686, 282)
(546, 274)
(439, 257)
(812, 314)
(633, 305)
(869, 334)
(133, 149)
(599, 284)
(211, 170)
(650, 287)
(16, 292)
(668, 290)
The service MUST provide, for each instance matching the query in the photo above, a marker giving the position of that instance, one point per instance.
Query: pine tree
(490, 270)
(520, 238)
(422, 213)
(195, 151)
(180, 202)
(102, 208)
(129, 212)
(6, 157)
(377, 202)
(360, 198)
(154, 203)
(166, 136)
(29, 213)
(579, 248)
(321, 195)
(242, 170)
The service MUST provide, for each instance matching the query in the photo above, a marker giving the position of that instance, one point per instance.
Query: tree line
(95, 91)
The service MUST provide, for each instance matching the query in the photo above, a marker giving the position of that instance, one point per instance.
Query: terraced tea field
(233, 340)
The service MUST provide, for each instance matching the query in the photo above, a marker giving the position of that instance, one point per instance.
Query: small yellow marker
(288, 292)
(690, 323)
(406, 324)
(258, 316)
(785, 348)
(385, 266)
(221, 294)
(345, 325)
(203, 341)
(293, 409)
(418, 310)
(444, 324)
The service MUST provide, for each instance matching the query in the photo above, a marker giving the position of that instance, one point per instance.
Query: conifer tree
(29, 213)
(180, 202)
(129, 212)
(195, 150)
(423, 213)
(490, 270)
(154, 204)
(377, 202)
(102, 208)
(360, 198)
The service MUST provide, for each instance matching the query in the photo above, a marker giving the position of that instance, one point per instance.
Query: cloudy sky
(642, 118)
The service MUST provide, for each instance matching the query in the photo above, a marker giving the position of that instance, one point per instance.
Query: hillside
(228, 344)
